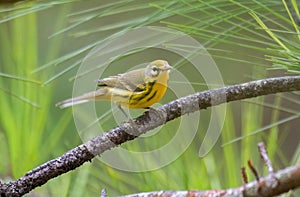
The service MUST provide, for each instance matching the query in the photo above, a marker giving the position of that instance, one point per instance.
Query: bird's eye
(154, 71)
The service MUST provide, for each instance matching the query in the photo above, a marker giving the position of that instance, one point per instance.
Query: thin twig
(244, 175)
(103, 193)
(264, 155)
(272, 181)
(253, 170)
(148, 121)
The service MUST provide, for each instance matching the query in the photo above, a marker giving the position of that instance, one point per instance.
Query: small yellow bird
(139, 88)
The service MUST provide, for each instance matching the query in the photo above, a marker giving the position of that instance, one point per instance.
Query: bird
(134, 89)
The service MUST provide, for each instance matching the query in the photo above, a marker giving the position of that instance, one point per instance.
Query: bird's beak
(168, 67)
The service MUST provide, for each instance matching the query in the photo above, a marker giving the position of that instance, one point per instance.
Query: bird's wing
(133, 80)
(109, 81)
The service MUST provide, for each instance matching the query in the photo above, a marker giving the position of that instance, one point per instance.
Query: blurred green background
(42, 44)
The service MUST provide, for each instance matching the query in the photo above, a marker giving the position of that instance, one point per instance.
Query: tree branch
(149, 120)
(287, 179)
(271, 185)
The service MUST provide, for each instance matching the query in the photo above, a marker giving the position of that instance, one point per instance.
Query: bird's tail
(82, 99)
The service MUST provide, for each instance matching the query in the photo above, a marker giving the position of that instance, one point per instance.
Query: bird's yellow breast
(154, 91)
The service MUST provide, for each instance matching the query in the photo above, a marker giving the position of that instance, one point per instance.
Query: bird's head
(156, 68)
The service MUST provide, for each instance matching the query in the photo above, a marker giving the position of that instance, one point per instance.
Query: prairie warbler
(139, 88)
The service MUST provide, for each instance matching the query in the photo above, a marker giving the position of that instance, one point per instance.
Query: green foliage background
(42, 44)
